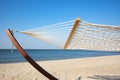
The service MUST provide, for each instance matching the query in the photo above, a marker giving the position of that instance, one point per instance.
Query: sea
(50, 54)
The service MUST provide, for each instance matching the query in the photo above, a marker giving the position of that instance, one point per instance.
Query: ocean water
(44, 55)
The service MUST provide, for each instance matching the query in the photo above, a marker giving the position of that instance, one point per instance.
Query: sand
(94, 68)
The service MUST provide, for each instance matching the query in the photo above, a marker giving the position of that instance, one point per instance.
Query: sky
(27, 14)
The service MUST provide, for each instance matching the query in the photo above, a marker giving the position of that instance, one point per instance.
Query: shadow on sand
(101, 77)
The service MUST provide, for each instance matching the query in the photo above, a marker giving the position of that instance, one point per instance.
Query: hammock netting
(86, 36)
(95, 37)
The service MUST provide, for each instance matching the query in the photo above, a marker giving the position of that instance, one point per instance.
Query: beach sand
(94, 68)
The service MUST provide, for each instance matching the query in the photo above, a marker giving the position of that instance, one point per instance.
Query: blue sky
(27, 14)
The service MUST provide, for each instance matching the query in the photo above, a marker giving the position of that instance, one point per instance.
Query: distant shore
(94, 68)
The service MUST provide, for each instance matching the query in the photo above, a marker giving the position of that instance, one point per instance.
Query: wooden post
(28, 58)
(72, 32)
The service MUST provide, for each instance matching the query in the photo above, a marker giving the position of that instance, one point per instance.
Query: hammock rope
(86, 35)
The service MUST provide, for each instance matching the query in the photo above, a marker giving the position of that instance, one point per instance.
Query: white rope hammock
(96, 37)
(85, 35)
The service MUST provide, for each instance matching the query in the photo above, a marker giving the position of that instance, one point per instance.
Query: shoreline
(69, 69)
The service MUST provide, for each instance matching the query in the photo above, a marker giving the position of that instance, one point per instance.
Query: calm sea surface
(43, 55)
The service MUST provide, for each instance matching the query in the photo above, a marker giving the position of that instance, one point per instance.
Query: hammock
(79, 34)
(75, 34)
